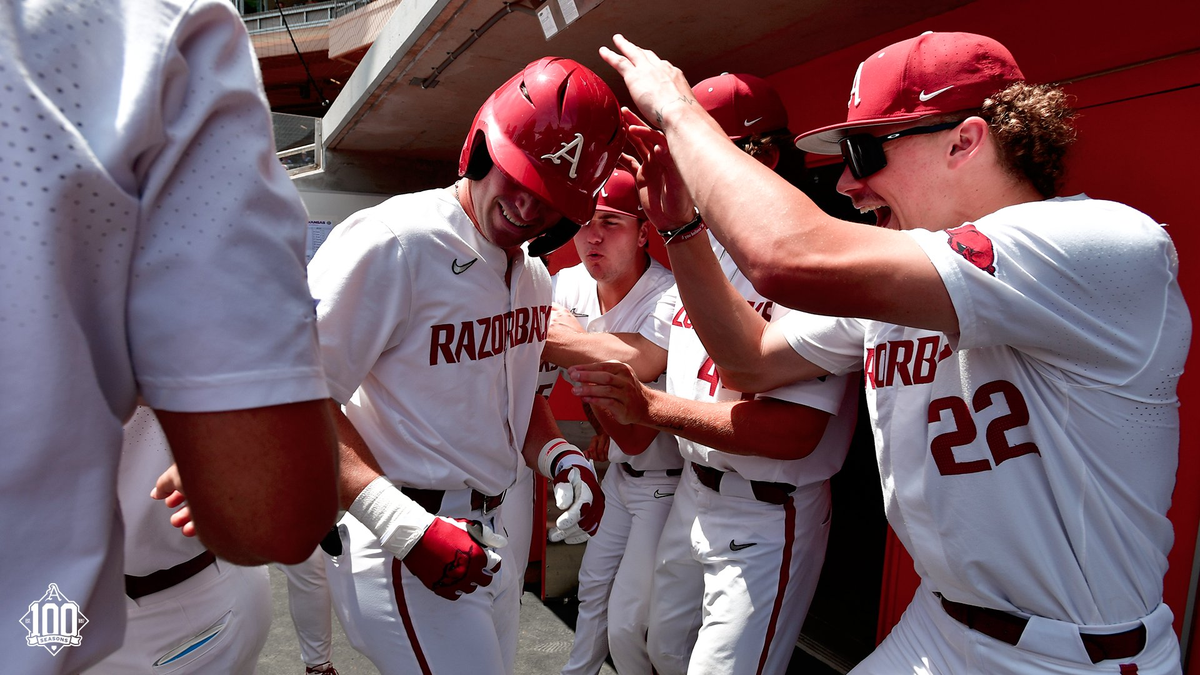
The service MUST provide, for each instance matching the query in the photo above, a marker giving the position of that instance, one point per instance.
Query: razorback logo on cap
(557, 157)
(973, 245)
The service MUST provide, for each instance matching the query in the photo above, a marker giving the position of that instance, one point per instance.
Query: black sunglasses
(863, 153)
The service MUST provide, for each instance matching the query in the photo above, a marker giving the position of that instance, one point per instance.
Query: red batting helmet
(556, 130)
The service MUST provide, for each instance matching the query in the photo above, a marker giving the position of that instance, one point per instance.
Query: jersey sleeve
(218, 315)
(362, 288)
(657, 326)
(1082, 285)
(834, 344)
(823, 393)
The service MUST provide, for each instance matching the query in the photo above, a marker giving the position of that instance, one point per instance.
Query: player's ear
(966, 140)
(643, 233)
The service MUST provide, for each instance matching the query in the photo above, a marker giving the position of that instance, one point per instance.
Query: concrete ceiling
(379, 111)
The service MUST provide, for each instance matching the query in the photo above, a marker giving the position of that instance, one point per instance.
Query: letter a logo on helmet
(576, 145)
(556, 130)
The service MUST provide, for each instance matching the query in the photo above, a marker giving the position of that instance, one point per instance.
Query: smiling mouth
(882, 213)
(518, 224)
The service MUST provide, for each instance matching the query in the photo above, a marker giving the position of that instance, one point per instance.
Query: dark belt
(629, 470)
(770, 493)
(431, 500)
(1008, 628)
(136, 587)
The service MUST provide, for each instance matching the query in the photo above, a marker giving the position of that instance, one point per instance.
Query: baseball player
(187, 612)
(742, 548)
(431, 318)
(1021, 351)
(615, 289)
(155, 250)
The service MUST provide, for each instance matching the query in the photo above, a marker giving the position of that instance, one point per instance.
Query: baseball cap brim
(619, 212)
(824, 141)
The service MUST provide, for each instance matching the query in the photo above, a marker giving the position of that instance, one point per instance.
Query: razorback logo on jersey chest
(763, 307)
(488, 336)
(906, 362)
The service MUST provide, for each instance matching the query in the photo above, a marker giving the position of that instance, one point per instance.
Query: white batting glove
(576, 491)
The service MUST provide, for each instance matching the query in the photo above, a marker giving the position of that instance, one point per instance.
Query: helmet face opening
(479, 162)
(556, 129)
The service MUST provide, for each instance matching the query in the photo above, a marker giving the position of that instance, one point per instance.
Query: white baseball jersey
(618, 565)
(691, 374)
(735, 574)
(154, 245)
(1028, 462)
(433, 355)
(215, 621)
(575, 289)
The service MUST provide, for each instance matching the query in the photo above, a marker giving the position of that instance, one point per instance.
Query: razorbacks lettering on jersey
(575, 289)
(691, 374)
(1028, 462)
(433, 355)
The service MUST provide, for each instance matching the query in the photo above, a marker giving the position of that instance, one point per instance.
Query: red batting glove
(451, 561)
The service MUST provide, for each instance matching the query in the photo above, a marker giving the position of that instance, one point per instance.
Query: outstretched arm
(761, 427)
(748, 355)
(261, 482)
(568, 344)
(790, 250)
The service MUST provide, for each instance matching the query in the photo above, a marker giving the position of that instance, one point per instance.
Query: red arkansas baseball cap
(931, 74)
(742, 104)
(619, 195)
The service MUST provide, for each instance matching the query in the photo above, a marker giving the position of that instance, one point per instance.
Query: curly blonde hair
(1033, 125)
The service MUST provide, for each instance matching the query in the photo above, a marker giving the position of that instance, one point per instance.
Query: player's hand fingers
(564, 495)
(486, 536)
(635, 54)
(167, 483)
(632, 119)
(602, 372)
(493, 563)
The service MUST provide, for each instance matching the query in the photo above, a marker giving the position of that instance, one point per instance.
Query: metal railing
(298, 142)
(300, 16)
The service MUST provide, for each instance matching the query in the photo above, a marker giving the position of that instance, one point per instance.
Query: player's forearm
(567, 348)
(358, 465)
(233, 463)
(726, 324)
(633, 439)
(769, 227)
(760, 427)
(542, 430)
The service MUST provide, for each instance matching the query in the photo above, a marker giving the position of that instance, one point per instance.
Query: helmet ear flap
(550, 240)
(479, 161)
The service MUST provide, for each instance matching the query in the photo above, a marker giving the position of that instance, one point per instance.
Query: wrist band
(693, 224)
(687, 235)
(550, 453)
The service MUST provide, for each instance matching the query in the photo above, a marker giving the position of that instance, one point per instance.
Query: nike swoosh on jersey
(925, 97)
(660, 495)
(749, 122)
(459, 269)
(734, 546)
